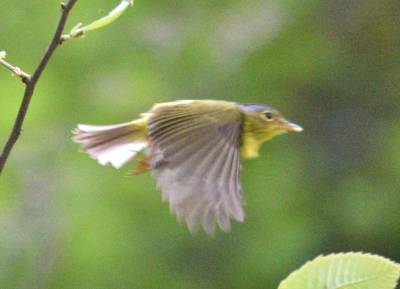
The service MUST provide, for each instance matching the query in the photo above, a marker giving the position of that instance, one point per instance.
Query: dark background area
(331, 66)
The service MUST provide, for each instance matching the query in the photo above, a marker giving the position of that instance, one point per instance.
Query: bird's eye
(268, 115)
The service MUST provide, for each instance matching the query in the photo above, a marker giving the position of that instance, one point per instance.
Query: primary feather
(196, 159)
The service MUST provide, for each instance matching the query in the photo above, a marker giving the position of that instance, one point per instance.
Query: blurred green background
(330, 65)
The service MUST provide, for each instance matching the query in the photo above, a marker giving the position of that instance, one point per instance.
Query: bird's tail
(115, 144)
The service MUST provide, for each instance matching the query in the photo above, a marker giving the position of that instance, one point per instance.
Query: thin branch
(31, 83)
(31, 80)
(25, 77)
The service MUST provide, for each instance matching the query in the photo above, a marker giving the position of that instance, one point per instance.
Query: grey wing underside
(197, 165)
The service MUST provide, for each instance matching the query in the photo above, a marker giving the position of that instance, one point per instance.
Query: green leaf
(112, 16)
(345, 271)
(80, 31)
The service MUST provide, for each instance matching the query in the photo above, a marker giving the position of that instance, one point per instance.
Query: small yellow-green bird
(194, 148)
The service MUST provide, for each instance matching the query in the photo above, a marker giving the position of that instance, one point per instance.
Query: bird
(194, 149)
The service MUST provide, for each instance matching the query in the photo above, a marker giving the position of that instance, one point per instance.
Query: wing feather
(194, 152)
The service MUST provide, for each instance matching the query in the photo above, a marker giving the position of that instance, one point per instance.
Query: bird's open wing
(194, 151)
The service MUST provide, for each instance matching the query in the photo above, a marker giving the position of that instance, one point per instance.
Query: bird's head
(265, 122)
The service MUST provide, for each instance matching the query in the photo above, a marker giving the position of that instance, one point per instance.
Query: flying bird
(194, 148)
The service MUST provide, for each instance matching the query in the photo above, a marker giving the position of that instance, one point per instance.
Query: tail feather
(115, 144)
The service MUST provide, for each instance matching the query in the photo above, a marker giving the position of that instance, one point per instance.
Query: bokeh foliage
(330, 65)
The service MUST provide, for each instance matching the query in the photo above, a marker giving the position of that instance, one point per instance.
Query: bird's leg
(142, 166)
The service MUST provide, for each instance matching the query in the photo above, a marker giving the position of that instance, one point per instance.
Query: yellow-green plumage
(194, 148)
(256, 131)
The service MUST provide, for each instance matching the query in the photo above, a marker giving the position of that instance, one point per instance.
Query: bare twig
(31, 80)
(25, 77)
(31, 83)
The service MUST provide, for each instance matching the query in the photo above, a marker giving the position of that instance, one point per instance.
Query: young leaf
(113, 15)
(345, 271)
(79, 30)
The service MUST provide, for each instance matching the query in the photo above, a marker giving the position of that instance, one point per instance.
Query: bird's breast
(249, 146)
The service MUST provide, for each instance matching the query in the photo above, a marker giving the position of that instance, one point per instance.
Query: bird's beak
(290, 126)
